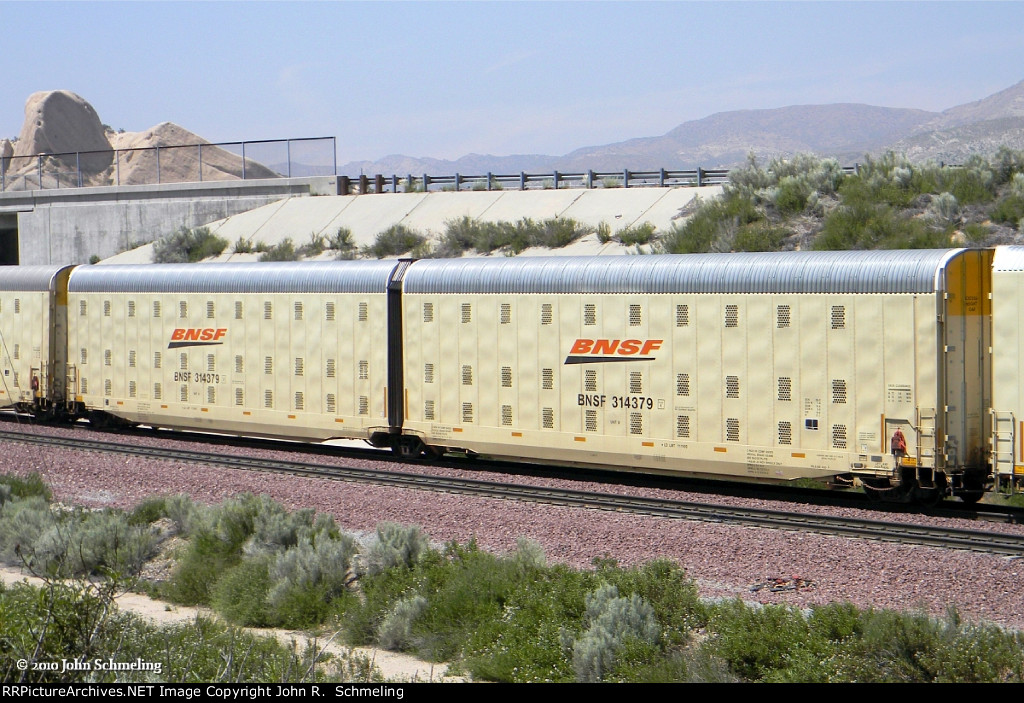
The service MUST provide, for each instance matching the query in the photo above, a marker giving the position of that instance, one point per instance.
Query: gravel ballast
(725, 560)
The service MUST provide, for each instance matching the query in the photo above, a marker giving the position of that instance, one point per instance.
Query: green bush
(22, 522)
(760, 236)
(395, 631)
(757, 642)
(395, 546)
(394, 241)
(610, 621)
(343, 243)
(148, 511)
(285, 251)
(27, 486)
(306, 579)
(188, 246)
(240, 594)
(636, 234)
(314, 247)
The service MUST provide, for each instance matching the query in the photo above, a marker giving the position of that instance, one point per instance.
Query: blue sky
(446, 79)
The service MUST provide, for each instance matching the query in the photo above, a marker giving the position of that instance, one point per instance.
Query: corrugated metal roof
(29, 278)
(269, 277)
(904, 271)
(1008, 258)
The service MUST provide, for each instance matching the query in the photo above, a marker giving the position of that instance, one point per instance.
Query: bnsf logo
(196, 336)
(591, 351)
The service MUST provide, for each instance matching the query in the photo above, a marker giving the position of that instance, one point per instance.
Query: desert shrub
(760, 236)
(1009, 210)
(148, 511)
(861, 225)
(243, 246)
(188, 246)
(27, 486)
(460, 235)
(285, 251)
(215, 545)
(636, 234)
(604, 232)
(757, 642)
(713, 225)
(610, 621)
(528, 556)
(343, 243)
(241, 594)
(78, 620)
(275, 529)
(791, 195)
(314, 247)
(395, 546)
(395, 240)
(912, 647)
(22, 522)
(554, 232)
(976, 232)
(395, 632)
(87, 543)
(944, 208)
(185, 514)
(306, 579)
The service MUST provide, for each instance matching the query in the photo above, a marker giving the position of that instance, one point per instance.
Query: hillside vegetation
(890, 203)
(512, 617)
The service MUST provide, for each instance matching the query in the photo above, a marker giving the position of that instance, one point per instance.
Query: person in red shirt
(899, 446)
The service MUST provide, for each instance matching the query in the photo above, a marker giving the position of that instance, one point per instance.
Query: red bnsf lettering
(620, 347)
(582, 346)
(198, 334)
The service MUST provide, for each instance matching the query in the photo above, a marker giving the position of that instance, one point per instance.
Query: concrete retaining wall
(69, 226)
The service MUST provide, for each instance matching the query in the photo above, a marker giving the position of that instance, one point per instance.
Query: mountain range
(843, 131)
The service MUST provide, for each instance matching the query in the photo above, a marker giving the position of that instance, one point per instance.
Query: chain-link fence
(191, 163)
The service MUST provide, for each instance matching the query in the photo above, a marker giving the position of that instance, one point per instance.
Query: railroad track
(948, 538)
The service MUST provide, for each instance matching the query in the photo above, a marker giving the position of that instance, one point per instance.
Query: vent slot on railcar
(782, 316)
(682, 315)
(683, 426)
(683, 384)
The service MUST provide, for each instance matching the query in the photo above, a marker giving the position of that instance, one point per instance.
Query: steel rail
(941, 537)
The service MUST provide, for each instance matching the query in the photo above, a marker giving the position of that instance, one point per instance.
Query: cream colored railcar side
(752, 366)
(33, 336)
(292, 350)
(1008, 367)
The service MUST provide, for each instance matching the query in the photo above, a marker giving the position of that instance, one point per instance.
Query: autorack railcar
(771, 366)
(33, 333)
(291, 350)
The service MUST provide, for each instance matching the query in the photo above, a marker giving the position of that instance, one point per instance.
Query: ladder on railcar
(926, 437)
(1004, 441)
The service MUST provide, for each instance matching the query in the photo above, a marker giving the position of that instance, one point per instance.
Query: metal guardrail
(223, 161)
(531, 181)
(535, 181)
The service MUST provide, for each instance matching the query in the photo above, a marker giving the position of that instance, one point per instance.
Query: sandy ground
(394, 666)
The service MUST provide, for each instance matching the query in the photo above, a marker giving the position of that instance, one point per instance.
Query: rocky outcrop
(58, 122)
